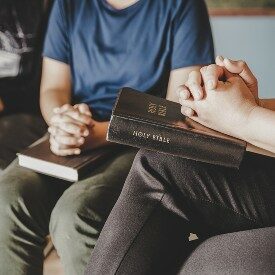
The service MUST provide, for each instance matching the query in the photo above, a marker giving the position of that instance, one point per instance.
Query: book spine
(178, 142)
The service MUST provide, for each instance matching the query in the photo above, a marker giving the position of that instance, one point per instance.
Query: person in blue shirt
(92, 49)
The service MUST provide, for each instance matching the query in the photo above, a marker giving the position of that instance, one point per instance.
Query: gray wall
(251, 39)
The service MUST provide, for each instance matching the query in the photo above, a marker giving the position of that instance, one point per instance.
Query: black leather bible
(145, 121)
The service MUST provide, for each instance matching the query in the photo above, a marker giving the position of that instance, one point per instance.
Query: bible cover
(38, 157)
(145, 121)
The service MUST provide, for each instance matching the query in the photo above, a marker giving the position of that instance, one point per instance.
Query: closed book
(145, 121)
(38, 157)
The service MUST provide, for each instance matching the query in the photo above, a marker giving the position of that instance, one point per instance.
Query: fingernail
(210, 85)
(77, 152)
(86, 133)
(220, 58)
(81, 140)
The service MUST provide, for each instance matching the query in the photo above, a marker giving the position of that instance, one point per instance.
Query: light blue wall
(251, 39)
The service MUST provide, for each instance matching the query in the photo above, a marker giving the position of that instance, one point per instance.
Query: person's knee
(62, 220)
(165, 167)
(161, 160)
(146, 166)
(70, 219)
(16, 199)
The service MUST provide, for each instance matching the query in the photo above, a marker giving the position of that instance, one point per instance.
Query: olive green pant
(32, 205)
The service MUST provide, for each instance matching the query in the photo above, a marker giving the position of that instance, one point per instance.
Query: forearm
(55, 89)
(98, 134)
(260, 129)
(268, 103)
(51, 99)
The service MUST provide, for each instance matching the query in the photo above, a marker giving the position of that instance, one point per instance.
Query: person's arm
(55, 93)
(97, 136)
(55, 90)
(192, 43)
(260, 129)
(71, 127)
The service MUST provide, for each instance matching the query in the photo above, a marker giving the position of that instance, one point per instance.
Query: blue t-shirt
(136, 47)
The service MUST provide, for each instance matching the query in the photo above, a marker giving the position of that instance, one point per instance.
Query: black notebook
(145, 121)
(38, 157)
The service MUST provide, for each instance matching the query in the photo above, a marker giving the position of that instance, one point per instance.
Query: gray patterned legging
(165, 198)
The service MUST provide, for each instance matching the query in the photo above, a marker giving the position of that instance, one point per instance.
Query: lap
(97, 193)
(214, 197)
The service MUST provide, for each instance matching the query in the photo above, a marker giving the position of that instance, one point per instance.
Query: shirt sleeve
(192, 36)
(56, 45)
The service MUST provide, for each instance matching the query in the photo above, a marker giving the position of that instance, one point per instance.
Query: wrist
(248, 130)
(103, 128)
(97, 136)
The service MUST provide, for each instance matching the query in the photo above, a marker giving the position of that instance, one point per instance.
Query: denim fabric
(165, 198)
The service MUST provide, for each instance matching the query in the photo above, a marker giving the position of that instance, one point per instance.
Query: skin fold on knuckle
(69, 128)
(185, 94)
(71, 141)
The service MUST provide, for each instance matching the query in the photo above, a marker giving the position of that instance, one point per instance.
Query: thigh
(16, 133)
(219, 199)
(27, 199)
(26, 202)
(93, 197)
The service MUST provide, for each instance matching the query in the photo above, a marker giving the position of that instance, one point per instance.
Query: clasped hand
(221, 96)
(69, 128)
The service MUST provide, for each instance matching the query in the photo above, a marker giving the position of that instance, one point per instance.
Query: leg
(81, 212)
(16, 133)
(26, 201)
(250, 252)
(165, 198)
